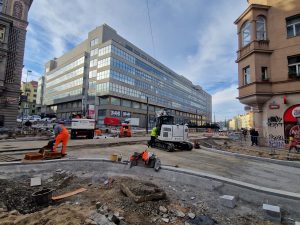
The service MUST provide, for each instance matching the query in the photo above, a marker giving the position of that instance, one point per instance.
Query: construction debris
(66, 195)
(272, 212)
(228, 201)
(145, 192)
(35, 181)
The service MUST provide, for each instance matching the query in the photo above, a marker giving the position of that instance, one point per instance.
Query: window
(2, 32)
(126, 103)
(115, 101)
(261, 28)
(1, 120)
(264, 73)
(103, 100)
(246, 72)
(94, 42)
(93, 63)
(136, 105)
(293, 26)
(246, 33)
(101, 112)
(294, 66)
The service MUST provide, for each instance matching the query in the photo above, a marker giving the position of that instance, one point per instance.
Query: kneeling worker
(61, 135)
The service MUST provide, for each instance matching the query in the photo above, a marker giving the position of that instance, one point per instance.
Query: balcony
(254, 46)
(255, 93)
(294, 76)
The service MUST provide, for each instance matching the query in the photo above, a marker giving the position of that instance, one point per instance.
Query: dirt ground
(18, 207)
(245, 148)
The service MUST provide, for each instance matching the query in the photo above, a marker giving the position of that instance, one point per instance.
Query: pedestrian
(61, 135)
(244, 132)
(153, 135)
(252, 136)
(256, 134)
(292, 142)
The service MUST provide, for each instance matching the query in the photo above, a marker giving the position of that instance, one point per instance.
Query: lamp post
(147, 116)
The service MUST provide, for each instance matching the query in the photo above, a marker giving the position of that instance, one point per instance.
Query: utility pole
(147, 117)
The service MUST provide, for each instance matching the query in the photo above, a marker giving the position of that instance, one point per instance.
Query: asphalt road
(261, 173)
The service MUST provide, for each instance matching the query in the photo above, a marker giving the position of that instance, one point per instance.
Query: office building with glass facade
(107, 76)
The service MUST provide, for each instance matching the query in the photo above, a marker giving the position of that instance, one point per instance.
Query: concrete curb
(79, 146)
(243, 156)
(253, 187)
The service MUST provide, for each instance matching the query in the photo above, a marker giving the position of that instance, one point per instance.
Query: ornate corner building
(13, 24)
(268, 60)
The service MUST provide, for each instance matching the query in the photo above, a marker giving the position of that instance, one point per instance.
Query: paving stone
(35, 181)
(228, 201)
(272, 212)
(163, 209)
(100, 219)
(191, 215)
(166, 220)
(180, 214)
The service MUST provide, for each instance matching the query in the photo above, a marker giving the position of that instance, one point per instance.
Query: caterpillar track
(171, 146)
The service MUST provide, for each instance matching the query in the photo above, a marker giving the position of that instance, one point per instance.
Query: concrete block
(228, 201)
(272, 212)
(35, 181)
(297, 223)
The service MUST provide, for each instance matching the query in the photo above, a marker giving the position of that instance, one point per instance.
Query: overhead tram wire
(151, 32)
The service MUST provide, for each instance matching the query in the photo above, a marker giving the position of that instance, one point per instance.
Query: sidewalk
(33, 145)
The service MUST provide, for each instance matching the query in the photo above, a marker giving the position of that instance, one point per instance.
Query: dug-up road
(256, 172)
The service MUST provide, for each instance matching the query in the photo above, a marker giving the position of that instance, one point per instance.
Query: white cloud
(225, 104)
(214, 60)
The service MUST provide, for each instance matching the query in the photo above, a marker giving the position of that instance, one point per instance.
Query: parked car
(34, 118)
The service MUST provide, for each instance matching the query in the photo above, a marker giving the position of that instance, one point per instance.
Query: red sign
(289, 114)
(110, 121)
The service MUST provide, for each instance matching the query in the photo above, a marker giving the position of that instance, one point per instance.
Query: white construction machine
(171, 137)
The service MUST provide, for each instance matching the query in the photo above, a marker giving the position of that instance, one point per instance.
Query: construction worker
(61, 135)
(153, 135)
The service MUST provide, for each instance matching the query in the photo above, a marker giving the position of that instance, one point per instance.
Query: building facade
(269, 66)
(106, 76)
(29, 101)
(13, 24)
(242, 121)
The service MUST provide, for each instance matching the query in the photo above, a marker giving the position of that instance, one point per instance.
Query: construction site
(108, 180)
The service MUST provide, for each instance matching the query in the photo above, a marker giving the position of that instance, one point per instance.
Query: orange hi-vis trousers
(63, 137)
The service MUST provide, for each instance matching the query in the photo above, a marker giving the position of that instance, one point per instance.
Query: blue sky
(195, 38)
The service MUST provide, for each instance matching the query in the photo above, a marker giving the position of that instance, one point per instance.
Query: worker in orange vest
(61, 135)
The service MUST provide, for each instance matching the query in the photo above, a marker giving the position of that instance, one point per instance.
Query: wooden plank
(55, 198)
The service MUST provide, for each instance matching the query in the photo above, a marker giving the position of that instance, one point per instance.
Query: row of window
(65, 77)
(137, 105)
(293, 70)
(292, 26)
(143, 65)
(112, 87)
(142, 86)
(65, 68)
(50, 99)
(71, 84)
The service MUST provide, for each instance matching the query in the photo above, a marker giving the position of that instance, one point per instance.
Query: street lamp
(147, 117)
